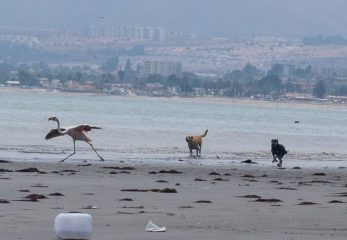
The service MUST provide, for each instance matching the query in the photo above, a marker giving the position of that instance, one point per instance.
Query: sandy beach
(240, 201)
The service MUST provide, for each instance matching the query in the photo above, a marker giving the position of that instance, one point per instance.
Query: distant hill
(324, 40)
(293, 18)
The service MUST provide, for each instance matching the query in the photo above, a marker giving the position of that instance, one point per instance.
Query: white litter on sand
(151, 227)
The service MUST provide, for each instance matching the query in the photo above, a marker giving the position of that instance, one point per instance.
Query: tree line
(246, 82)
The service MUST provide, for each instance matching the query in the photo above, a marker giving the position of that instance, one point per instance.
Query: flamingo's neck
(59, 130)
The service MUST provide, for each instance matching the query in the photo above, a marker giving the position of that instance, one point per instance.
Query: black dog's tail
(205, 133)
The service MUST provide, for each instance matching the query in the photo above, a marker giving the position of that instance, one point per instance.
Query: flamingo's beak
(51, 118)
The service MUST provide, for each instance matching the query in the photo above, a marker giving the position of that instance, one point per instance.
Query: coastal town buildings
(154, 51)
(164, 68)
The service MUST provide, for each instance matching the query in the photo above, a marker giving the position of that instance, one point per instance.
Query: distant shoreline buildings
(146, 33)
(164, 68)
(157, 51)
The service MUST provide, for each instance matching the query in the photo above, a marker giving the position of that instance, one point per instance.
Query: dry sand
(281, 208)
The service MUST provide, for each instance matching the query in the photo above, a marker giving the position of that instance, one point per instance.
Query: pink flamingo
(76, 133)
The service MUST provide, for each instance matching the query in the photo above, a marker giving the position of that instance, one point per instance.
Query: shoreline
(207, 99)
(173, 157)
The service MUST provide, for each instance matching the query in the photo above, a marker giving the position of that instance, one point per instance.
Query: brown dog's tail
(204, 135)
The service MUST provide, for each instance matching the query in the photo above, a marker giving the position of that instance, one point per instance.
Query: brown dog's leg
(200, 150)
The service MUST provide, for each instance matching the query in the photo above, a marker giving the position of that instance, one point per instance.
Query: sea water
(154, 129)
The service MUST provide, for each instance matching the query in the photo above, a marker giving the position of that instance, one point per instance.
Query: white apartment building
(129, 32)
(164, 68)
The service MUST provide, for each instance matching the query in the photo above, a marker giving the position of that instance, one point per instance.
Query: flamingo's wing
(86, 128)
(53, 133)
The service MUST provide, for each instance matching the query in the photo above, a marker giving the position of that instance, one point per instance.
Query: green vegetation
(319, 89)
(246, 82)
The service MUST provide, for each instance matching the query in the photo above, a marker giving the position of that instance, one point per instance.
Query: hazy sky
(209, 17)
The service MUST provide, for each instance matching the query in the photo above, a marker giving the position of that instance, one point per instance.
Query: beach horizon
(205, 99)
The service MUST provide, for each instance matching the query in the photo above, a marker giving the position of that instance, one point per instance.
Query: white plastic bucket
(73, 226)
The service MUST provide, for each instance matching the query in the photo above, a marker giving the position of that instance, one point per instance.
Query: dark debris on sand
(24, 190)
(4, 161)
(135, 207)
(203, 201)
(335, 201)
(168, 190)
(270, 200)
(165, 190)
(249, 161)
(319, 181)
(135, 190)
(58, 194)
(307, 203)
(342, 194)
(39, 185)
(84, 165)
(250, 196)
(221, 179)
(248, 176)
(34, 197)
(214, 174)
(126, 199)
(120, 168)
(199, 180)
(170, 171)
(287, 188)
(70, 170)
(162, 181)
(32, 169)
(319, 174)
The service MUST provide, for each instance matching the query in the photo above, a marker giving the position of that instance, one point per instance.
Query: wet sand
(238, 201)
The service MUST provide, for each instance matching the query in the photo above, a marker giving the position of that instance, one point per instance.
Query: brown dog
(195, 142)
